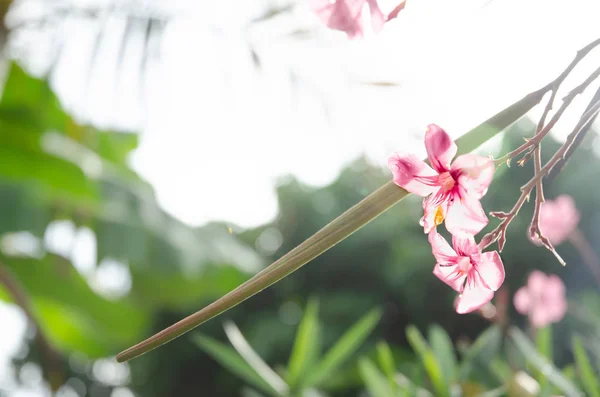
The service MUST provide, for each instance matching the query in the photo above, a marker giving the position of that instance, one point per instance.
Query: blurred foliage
(53, 170)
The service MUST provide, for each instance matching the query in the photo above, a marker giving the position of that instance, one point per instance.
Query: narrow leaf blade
(527, 349)
(228, 358)
(343, 226)
(374, 380)
(305, 350)
(344, 348)
(584, 368)
(428, 360)
(444, 352)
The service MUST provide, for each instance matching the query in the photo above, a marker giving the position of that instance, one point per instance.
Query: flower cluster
(346, 15)
(451, 192)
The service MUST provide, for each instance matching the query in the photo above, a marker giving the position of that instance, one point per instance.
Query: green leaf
(444, 352)
(343, 348)
(481, 352)
(584, 368)
(429, 361)
(244, 349)
(230, 359)
(540, 363)
(543, 341)
(306, 345)
(337, 230)
(374, 380)
(386, 361)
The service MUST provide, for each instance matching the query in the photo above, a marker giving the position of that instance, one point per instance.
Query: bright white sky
(217, 134)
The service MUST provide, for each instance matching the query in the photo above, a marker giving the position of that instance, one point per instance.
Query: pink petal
(491, 269)
(465, 216)
(539, 317)
(558, 219)
(555, 298)
(555, 288)
(377, 17)
(394, 13)
(412, 174)
(473, 173)
(522, 301)
(435, 208)
(443, 253)
(341, 15)
(465, 245)
(536, 284)
(451, 276)
(474, 295)
(441, 149)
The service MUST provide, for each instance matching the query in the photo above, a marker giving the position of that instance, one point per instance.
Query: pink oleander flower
(543, 299)
(345, 15)
(452, 192)
(558, 219)
(473, 274)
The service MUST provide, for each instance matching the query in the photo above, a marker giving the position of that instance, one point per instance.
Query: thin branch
(499, 233)
(51, 358)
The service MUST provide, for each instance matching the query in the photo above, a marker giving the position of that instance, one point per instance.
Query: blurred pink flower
(475, 275)
(345, 15)
(543, 299)
(451, 192)
(558, 219)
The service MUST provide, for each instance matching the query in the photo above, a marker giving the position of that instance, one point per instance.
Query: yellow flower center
(439, 216)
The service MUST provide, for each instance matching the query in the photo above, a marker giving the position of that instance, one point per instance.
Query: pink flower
(345, 15)
(558, 219)
(475, 275)
(543, 299)
(452, 192)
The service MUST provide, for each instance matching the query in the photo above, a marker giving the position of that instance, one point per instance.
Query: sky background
(217, 133)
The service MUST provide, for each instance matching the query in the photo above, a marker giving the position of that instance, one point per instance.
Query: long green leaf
(584, 368)
(343, 348)
(244, 349)
(429, 361)
(343, 226)
(229, 359)
(543, 341)
(306, 345)
(481, 351)
(374, 380)
(386, 361)
(540, 363)
(444, 352)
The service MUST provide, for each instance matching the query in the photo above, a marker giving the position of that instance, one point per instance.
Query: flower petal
(443, 253)
(491, 269)
(451, 276)
(474, 295)
(536, 283)
(465, 245)
(539, 317)
(558, 219)
(473, 173)
(555, 298)
(441, 149)
(465, 216)
(413, 174)
(377, 17)
(341, 15)
(435, 208)
(522, 301)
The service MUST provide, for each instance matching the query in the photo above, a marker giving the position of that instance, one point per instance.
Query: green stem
(343, 226)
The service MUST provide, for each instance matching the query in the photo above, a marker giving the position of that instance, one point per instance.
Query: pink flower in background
(543, 299)
(475, 275)
(452, 191)
(345, 15)
(558, 219)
